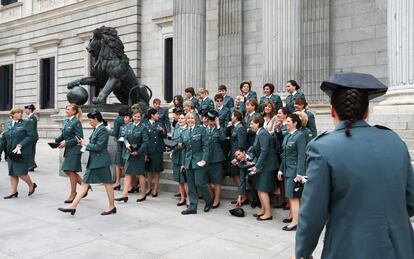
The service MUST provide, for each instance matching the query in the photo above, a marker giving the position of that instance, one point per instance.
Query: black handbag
(298, 189)
(15, 157)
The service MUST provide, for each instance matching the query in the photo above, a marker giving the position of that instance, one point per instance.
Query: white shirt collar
(205, 98)
(71, 117)
(293, 131)
(97, 126)
(237, 123)
(294, 92)
(219, 108)
(258, 131)
(251, 113)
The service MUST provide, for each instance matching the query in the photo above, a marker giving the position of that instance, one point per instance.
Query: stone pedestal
(189, 48)
(87, 132)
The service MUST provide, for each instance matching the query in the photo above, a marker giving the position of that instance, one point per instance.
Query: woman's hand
(19, 146)
(298, 178)
(280, 176)
(82, 142)
(128, 146)
(134, 153)
(234, 162)
(62, 144)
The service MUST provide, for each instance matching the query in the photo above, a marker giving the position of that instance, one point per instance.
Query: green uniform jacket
(136, 137)
(206, 104)
(290, 101)
(21, 133)
(293, 157)
(238, 139)
(224, 116)
(164, 119)
(155, 137)
(98, 149)
(216, 137)
(119, 121)
(264, 152)
(195, 101)
(362, 188)
(195, 146)
(32, 124)
(274, 98)
(250, 95)
(311, 125)
(177, 153)
(250, 134)
(228, 102)
(71, 128)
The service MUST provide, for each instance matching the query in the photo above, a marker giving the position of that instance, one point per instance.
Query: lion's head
(105, 44)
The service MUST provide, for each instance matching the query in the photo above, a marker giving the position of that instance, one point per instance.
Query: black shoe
(86, 194)
(286, 208)
(188, 211)
(33, 189)
(233, 202)
(256, 215)
(287, 228)
(71, 211)
(124, 199)
(154, 195)
(117, 188)
(245, 202)
(31, 169)
(148, 192)
(215, 206)
(262, 219)
(113, 211)
(14, 195)
(68, 201)
(133, 190)
(208, 207)
(200, 197)
(181, 203)
(287, 220)
(177, 195)
(142, 199)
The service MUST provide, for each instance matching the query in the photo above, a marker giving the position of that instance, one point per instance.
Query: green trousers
(196, 182)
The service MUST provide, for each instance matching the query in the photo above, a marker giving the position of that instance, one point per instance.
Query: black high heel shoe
(124, 199)
(133, 190)
(154, 194)
(14, 195)
(86, 194)
(70, 201)
(117, 188)
(142, 199)
(148, 192)
(71, 211)
(181, 204)
(33, 189)
(113, 211)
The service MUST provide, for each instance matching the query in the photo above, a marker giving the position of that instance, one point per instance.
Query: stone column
(282, 22)
(189, 47)
(400, 95)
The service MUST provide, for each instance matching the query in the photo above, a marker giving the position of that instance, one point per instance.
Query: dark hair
(239, 115)
(127, 114)
(218, 96)
(180, 100)
(123, 110)
(222, 87)
(295, 119)
(156, 100)
(350, 105)
(294, 83)
(271, 87)
(246, 82)
(240, 149)
(301, 101)
(98, 116)
(190, 90)
(272, 112)
(259, 120)
(253, 102)
(285, 110)
(150, 112)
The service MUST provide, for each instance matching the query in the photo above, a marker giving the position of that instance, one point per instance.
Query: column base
(396, 101)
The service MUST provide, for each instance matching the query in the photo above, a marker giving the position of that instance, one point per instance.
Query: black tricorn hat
(203, 112)
(212, 114)
(30, 107)
(356, 81)
(237, 212)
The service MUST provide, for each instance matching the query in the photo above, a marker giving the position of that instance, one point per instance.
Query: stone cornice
(10, 6)
(8, 51)
(45, 43)
(163, 18)
(85, 35)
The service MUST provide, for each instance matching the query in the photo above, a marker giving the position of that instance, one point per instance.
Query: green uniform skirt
(156, 163)
(119, 160)
(135, 165)
(98, 175)
(72, 163)
(289, 186)
(214, 173)
(265, 182)
(19, 168)
(177, 175)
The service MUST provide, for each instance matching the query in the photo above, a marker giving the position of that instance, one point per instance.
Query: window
(168, 69)
(6, 87)
(47, 83)
(6, 2)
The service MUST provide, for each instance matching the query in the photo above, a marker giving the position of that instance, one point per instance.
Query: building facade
(174, 44)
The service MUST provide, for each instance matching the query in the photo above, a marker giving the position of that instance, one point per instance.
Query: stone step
(405, 134)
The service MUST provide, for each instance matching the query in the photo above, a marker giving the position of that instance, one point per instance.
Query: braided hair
(350, 104)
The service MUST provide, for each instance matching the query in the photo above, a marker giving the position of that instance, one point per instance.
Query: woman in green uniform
(177, 158)
(265, 165)
(268, 95)
(17, 138)
(155, 150)
(292, 167)
(302, 106)
(119, 159)
(72, 131)
(98, 165)
(136, 141)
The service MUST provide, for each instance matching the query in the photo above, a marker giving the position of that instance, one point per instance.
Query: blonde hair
(303, 117)
(78, 111)
(193, 114)
(15, 110)
(135, 108)
(202, 91)
(189, 103)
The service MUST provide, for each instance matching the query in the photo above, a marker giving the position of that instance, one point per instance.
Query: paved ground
(31, 227)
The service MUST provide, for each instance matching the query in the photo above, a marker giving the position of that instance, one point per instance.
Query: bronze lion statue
(111, 71)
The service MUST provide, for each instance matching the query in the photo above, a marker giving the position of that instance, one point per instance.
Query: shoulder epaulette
(382, 127)
(321, 135)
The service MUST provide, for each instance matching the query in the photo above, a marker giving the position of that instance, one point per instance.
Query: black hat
(354, 80)
(237, 212)
(178, 109)
(203, 112)
(151, 111)
(212, 114)
(30, 107)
